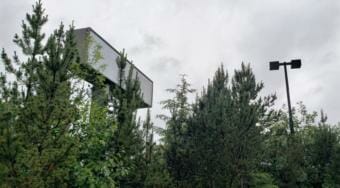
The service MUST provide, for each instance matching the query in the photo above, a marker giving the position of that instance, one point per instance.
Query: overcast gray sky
(165, 38)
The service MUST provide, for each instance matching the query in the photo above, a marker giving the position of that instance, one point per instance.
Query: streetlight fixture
(294, 64)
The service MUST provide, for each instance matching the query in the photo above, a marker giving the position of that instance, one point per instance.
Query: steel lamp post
(294, 64)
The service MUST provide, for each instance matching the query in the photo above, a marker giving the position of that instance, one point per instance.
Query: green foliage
(47, 137)
(225, 130)
(157, 173)
(39, 113)
(304, 160)
(50, 136)
(132, 140)
(98, 164)
(262, 180)
(232, 138)
(176, 152)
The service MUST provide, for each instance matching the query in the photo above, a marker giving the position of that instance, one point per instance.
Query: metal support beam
(291, 126)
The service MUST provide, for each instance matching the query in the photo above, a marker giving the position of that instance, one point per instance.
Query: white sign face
(107, 65)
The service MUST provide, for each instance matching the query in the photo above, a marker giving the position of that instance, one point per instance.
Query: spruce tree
(176, 151)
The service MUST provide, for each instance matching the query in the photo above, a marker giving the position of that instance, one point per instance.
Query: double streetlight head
(275, 65)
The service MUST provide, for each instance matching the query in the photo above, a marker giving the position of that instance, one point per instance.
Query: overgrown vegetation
(229, 136)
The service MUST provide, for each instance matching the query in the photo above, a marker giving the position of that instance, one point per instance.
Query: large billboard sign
(106, 64)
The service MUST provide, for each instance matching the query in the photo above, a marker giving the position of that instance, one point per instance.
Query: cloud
(148, 44)
(164, 64)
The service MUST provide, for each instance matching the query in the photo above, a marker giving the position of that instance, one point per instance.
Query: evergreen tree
(207, 133)
(157, 172)
(128, 138)
(40, 107)
(225, 131)
(47, 138)
(148, 135)
(176, 152)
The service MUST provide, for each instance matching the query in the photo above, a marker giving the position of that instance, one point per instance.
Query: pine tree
(148, 135)
(128, 138)
(225, 131)
(41, 106)
(249, 111)
(208, 134)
